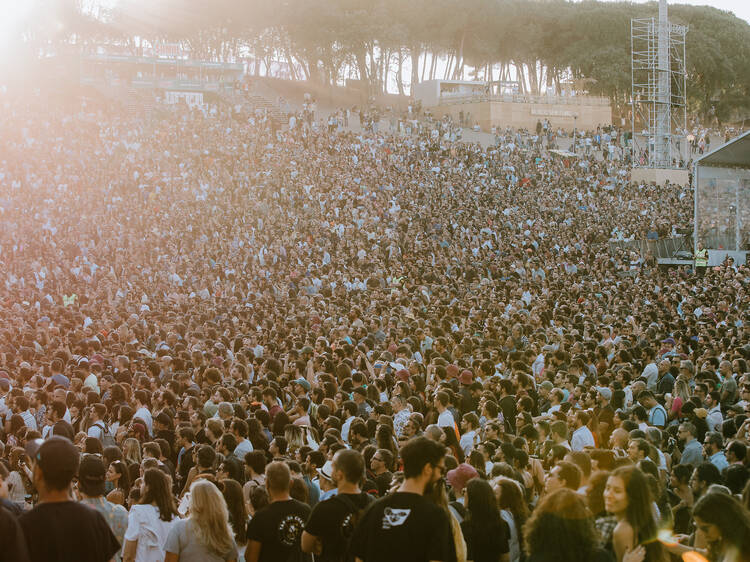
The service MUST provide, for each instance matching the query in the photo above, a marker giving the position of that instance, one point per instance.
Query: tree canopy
(540, 43)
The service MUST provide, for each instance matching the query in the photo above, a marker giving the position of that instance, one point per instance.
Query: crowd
(224, 340)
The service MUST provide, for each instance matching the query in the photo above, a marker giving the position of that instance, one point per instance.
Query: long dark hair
(232, 492)
(123, 483)
(482, 513)
(511, 498)
(561, 529)
(640, 512)
(730, 517)
(158, 492)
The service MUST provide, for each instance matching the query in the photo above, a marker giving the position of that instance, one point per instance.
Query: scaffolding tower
(658, 94)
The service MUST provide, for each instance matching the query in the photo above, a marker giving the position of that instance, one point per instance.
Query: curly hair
(561, 528)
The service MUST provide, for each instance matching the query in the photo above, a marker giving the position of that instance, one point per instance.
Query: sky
(740, 8)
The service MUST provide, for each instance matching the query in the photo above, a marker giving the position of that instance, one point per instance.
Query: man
(559, 433)
(657, 415)
(359, 395)
(445, 418)
(349, 411)
(692, 453)
(185, 461)
(406, 526)
(703, 477)
(701, 260)
(381, 464)
(651, 370)
(564, 475)
(59, 528)
(22, 409)
(470, 428)
(714, 419)
(142, 411)
(618, 441)
(713, 445)
(582, 436)
(98, 428)
(271, 402)
(275, 531)
(12, 542)
(729, 389)
(332, 522)
(91, 477)
(638, 449)
(244, 446)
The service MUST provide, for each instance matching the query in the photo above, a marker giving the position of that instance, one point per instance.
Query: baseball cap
(303, 383)
(58, 459)
(91, 475)
(668, 340)
(604, 391)
(459, 476)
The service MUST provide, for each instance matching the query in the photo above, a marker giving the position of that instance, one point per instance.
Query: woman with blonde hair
(295, 438)
(680, 395)
(205, 536)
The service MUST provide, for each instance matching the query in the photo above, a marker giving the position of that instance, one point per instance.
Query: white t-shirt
(145, 526)
(445, 419)
(145, 415)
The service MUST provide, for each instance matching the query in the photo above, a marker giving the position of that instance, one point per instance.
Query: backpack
(349, 523)
(108, 439)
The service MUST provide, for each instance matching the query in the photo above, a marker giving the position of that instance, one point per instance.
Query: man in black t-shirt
(59, 529)
(12, 542)
(274, 533)
(406, 526)
(332, 522)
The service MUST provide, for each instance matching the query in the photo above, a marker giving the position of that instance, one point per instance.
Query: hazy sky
(740, 8)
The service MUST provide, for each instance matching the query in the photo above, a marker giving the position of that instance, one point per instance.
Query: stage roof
(733, 154)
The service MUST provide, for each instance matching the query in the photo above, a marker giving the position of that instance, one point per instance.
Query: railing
(524, 98)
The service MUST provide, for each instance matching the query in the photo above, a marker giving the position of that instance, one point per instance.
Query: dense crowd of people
(223, 339)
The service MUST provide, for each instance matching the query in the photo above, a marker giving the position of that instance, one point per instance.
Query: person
(406, 526)
(150, 521)
(329, 529)
(58, 528)
(692, 452)
(486, 534)
(206, 534)
(628, 497)
(725, 524)
(274, 533)
(561, 529)
(91, 479)
(12, 542)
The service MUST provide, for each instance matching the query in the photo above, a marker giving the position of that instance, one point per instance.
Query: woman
(150, 521)
(117, 474)
(681, 394)
(205, 535)
(561, 529)
(627, 496)
(725, 525)
(232, 492)
(131, 456)
(485, 532)
(439, 495)
(514, 511)
(20, 478)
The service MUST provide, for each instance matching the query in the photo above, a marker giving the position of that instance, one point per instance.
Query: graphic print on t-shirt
(394, 517)
(290, 530)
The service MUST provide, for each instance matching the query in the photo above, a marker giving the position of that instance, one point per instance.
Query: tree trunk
(448, 67)
(399, 78)
(415, 52)
(433, 66)
(460, 58)
(521, 78)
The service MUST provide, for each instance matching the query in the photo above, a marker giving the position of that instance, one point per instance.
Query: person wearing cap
(59, 528)
(458, 478)
(91, 481)
(332, 521)
(324, 482)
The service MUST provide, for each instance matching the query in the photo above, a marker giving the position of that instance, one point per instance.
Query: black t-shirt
(12, 542)
(383, 482)
(333, 521)
(404, 527)
(278, 527)
(486, 545)
(67, 531)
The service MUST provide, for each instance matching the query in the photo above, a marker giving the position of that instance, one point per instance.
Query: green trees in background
(543, 43)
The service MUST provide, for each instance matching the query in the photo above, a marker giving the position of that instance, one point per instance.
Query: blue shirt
(719, 460)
